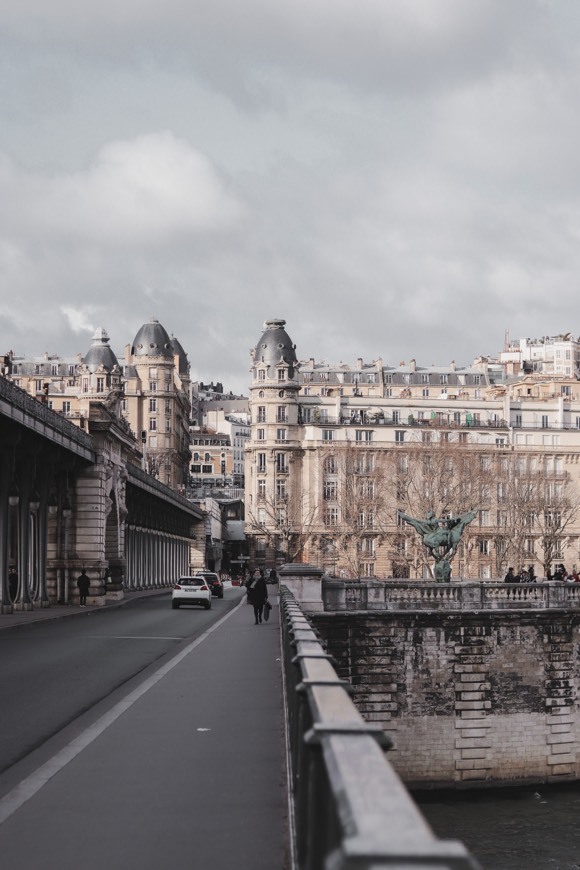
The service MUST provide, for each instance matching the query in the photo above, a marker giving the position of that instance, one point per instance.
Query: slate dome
(179, 352)
(100, 354)
(275, 346)
(152, 340)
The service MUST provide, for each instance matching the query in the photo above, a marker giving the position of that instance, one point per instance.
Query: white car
(191, 590)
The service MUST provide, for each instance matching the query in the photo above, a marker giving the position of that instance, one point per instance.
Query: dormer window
(281, 374)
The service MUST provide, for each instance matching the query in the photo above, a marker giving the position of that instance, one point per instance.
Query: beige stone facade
(334, 453)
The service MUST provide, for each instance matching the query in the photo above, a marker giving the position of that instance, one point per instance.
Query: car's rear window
(191, 581)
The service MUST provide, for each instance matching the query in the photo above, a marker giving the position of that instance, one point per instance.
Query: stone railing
(349, 807)
(340, 595)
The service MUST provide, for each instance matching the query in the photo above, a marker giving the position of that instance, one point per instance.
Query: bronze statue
(441, 536)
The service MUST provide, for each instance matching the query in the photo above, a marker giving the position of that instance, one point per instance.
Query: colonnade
(154, 558)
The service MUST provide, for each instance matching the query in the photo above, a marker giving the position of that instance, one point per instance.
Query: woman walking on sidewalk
(258, 594)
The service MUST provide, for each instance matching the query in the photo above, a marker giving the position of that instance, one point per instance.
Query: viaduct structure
(74, 498)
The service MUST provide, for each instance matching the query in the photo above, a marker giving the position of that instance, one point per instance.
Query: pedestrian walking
(258, 597)
(12, 583)
(83, 584)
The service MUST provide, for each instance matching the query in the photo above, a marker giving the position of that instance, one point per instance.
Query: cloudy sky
(393, 177)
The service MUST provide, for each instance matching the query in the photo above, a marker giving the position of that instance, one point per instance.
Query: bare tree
(285, 521)
(435, 473)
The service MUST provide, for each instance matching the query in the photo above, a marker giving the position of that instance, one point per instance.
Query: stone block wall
(473, 698)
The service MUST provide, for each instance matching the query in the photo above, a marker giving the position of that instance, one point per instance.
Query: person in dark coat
(83, 584)
(259, 596)
(510, 577)
(12, 582)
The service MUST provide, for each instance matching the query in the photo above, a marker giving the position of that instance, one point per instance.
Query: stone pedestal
(304, 582)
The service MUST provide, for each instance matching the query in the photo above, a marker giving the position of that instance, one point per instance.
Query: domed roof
(100, 354)
(275, 346)
(179, 351)
(152, 340)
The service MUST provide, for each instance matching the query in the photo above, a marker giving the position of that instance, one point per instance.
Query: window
(207, 457)
(260, 434)
(261, 458)
(328, 434)
(280, 434)
(443, 379)
(545, 423)
(483, 546)
(152, 405)
(330, 465)
(424, 379)
(364, 435)
(261, 487)
(399, 436)
(329, 490)
(331, 516)
(261, 515)
(207, 469)
(54, 369)
(281, 374)
(477, 380)
(152, 386)
(261, 414)
(281, 415)
(196, 469)
(388, 379)
(502, 518)
(281, 491)
(396, 417)
(66, 407)
(425, 437)
(152, 424)
(425, 393)
(281, 462)
(484, 518)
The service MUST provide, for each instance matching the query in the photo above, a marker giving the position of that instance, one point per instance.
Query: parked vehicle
(215, 584)
(191, 590)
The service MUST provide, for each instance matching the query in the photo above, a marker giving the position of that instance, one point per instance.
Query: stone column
(305, 583)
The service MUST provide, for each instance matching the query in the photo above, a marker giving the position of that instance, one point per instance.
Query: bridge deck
(190, 773)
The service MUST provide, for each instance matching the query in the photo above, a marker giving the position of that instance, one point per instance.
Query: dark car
(213, 581)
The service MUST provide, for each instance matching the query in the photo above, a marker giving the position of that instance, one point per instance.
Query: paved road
(181, 767)
(52, 672)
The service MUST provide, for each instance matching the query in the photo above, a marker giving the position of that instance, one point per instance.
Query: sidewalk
(187, 771)
(58, 611)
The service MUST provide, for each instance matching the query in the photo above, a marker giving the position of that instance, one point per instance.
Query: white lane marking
(25, 790)
(129, 637)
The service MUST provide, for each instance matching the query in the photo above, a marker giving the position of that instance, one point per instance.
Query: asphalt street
(179, 764)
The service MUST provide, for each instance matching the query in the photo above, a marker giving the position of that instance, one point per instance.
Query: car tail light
(204, 588)
(177, 586)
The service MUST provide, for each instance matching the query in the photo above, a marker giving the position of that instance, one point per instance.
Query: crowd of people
(528, 575)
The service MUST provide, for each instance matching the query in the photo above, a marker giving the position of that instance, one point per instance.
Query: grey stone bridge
(475, 683)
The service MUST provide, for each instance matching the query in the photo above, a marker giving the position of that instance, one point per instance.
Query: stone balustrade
(340, 595)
